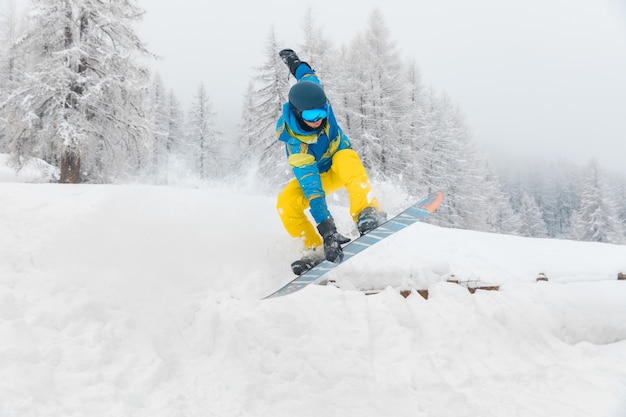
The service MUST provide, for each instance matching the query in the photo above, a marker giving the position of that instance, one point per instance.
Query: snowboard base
(411, 215)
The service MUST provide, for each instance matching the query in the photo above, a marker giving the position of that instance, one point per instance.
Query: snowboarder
(323, 162)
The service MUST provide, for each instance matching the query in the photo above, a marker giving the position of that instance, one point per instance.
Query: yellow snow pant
(347, 172)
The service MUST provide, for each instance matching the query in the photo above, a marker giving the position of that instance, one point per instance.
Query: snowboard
(411, 215)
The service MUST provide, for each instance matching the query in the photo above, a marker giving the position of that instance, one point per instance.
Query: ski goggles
(313, 115)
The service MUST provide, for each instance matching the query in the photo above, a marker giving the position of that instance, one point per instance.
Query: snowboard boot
(311, 258)
(369, 219)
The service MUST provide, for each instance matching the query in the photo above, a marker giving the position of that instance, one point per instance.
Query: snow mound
(145, 301)
(33, 170)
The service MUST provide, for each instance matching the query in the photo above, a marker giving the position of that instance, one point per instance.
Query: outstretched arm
(299, 69)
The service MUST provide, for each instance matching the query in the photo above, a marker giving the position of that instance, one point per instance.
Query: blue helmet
(306, 95)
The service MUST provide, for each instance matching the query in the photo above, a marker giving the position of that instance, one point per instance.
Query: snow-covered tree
(597, 219)
(377, 98)
(9, 61)
(450, 164)
(179, 153)
(414, 140)
(499, 214)
(262, 109)
(319, 52)
(554, 185)
(246, 137)
(79, 104)
(532, 224)
(159, 110)
(202, 137)
(176, 128)
(619, 188)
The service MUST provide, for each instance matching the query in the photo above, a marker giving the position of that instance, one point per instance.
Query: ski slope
(134, 300)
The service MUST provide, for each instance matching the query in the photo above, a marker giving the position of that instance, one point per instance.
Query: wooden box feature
(486, 288)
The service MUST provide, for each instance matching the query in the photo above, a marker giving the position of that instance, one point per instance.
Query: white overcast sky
(542, 78)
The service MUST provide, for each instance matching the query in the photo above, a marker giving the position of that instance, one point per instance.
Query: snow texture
(129, 300)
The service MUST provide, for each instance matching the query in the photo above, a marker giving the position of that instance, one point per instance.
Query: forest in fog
(76, 92)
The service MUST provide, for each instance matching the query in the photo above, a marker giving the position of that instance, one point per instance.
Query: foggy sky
(540, 78)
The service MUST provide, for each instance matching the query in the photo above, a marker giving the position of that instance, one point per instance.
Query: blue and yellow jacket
(310, 153)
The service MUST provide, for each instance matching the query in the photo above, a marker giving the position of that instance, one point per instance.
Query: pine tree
(379, 104)
(246, 161)
(10, 62)
(597, 218)
(159, 109)
(264, 106)
(247, 128)
(532, 224)
(562, 195)
(176, 128)
(81, 105)
(555, 187)
(319, 52)
(450, 164)
(415, 133)
(619, 188)
(203, 137)
(500, 216)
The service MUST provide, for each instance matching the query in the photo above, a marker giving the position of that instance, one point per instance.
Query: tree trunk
(70, 167)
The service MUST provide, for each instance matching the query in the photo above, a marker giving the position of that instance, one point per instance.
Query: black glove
(332, 240)
(292, 61)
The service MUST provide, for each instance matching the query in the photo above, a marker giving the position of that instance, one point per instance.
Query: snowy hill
(144, 301)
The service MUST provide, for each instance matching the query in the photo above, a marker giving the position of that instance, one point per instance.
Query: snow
(34, 170)
(134, 300)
